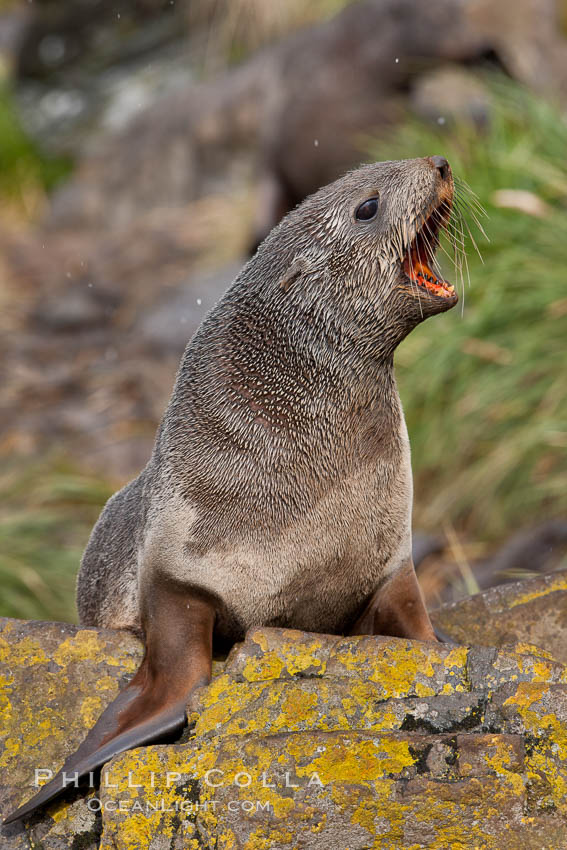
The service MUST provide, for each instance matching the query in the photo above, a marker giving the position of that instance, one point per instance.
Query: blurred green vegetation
(26, 173)
(48, 510)
(485, 387)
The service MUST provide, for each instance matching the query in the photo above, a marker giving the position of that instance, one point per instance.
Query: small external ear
(299, 266)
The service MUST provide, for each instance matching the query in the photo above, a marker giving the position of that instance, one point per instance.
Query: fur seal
(279, 491)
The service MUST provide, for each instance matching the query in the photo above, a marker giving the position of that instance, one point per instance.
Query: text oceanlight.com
(95, 804)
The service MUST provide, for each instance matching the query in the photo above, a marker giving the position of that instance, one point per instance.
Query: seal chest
(301, 575)
(279, 489)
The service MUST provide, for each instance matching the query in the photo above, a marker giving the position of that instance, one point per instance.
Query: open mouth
(420, 255)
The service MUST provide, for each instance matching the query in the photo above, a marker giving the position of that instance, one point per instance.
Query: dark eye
(367, 210)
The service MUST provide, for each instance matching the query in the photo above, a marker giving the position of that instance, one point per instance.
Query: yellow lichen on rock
(553, 584)
(26, 651)
(290, 656)
(312, 739)
(503, 760)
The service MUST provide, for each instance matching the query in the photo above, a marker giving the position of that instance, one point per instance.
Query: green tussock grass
(485, 389)
(48, 510)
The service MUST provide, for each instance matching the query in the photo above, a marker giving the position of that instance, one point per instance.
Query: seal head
(369, 240)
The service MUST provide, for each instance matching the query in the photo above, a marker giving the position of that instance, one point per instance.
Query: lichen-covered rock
(316, 741)
(534, 611)
(55, 680)
(303, 740)
(322, 790)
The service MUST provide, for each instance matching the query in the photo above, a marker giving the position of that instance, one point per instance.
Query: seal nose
(441, 165)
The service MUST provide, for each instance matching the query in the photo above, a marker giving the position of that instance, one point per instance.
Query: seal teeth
(419, 254)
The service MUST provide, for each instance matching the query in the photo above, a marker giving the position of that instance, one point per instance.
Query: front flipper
(178, 626)
(396, 608)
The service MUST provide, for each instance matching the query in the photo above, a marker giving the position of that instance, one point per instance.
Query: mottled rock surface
(534, 611)
(55, 680)
(304, 740)
(319, 741)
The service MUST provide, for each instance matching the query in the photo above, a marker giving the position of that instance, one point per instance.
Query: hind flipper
(396, 608)
(178, 624)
